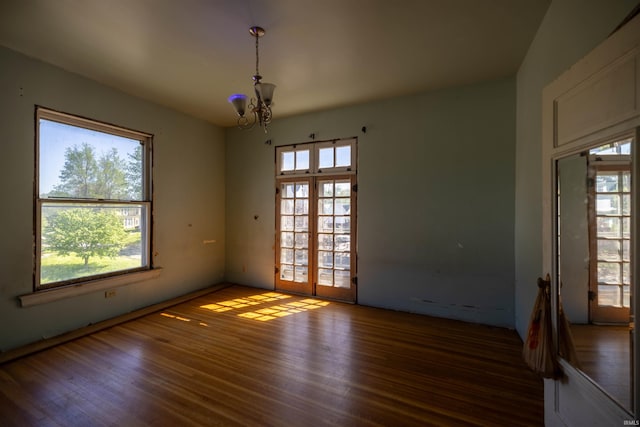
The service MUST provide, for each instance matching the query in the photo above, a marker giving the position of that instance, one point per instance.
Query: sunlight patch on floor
(271, 312)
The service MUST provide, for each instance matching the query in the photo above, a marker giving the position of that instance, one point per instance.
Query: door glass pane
(609, 272)
(286, 207)
(286, 272)
(609, 296)
(325, 241)
(609, 250)
(302, 240)
(302, 207)
(325, 189)
(334, 238)
(294, 230)
(343, 278)
(325, 277)
(325, 259)
(607, 182)
(301, 274)
(325, 207)
(286, 256)
(608, 204)
(288, 191)
(286, 223)
(286, 239)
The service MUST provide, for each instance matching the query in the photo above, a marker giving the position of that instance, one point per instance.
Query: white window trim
(69, 291)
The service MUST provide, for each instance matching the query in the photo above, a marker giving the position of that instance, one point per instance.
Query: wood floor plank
(249, 357)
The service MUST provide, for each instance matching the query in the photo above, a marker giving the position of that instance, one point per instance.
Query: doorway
(316, 220)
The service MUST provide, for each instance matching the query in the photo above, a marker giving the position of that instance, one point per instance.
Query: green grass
(57, 268)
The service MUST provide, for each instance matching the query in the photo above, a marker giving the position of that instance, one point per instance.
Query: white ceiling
(191, 55)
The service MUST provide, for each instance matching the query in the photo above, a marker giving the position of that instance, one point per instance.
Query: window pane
(325, 277)
(288, 161)
(286, 272)
(626, 181)
(343, 260)
(326, 158)
(326, 189)
(343, 189)
(82, 163)
(302, 206)
(343, 278)
(626, 273)
(302, 190)
(286, 207)
(343, 224)
(325, 259)
(325, 206)
(84, 240)
(625, 250)
(609, 272)
(302, 240)
(607, 182)
(343, 156)
(608, 227)
(286, 256)
(325, 224)
(325, 241)
(626, 227)
(343, 206)
(608, 296)
(288, 191)
(609, 250)
(302, 160)
(286, 223)
(302, 257)
(302, 223)
(608, 204)
(301, 274)
(343, 242)
(286, 239)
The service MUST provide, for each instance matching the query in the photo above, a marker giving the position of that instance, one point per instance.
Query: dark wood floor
(247, 357)
(604, 354)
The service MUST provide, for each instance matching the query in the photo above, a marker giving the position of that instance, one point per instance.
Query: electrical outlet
(110, 293)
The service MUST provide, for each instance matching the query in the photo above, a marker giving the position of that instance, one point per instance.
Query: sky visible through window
(56, 138)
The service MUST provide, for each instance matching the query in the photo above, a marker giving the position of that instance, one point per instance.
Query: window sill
(50, 295)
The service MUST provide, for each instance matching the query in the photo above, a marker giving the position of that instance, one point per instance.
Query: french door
(316, 236)
(610, 231)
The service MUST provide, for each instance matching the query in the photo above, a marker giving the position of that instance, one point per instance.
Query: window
(93, 200)
(315, 219)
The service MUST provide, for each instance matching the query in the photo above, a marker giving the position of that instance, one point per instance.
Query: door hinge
(277, 190)
(355, 188)
(592, 295)
(276, 270)
(354, 280)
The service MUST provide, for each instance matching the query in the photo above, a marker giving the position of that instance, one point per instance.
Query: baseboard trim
(37, 346)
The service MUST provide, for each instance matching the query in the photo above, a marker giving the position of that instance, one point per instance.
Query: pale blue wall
(435, 199)
(188, 189)
(570, 29)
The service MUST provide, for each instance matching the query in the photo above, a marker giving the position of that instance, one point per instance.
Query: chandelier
(259, 108)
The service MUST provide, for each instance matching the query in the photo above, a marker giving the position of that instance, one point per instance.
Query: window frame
(145, 203)
(314, 158)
